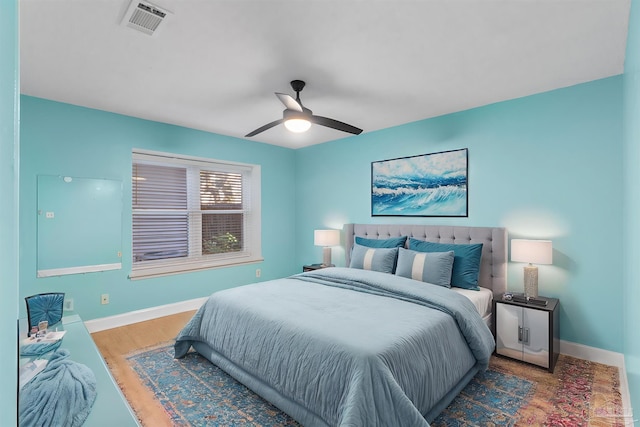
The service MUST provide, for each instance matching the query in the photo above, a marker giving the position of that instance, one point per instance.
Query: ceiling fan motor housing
(297, 85)
(293, 114)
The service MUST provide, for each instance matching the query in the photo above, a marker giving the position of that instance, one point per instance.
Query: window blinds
(160, 217)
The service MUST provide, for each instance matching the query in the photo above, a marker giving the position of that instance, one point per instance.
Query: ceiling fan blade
(265, 127)
(335, 124)
(289, 102)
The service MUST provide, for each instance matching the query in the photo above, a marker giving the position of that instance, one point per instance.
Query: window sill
(149, 272)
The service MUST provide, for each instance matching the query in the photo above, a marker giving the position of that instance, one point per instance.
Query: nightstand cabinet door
(536, 337)
(509, 331)
(523, 333)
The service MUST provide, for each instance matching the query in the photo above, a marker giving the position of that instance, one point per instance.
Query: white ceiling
(215, 65)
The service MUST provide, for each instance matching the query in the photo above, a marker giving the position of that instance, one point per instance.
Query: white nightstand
(528, 332)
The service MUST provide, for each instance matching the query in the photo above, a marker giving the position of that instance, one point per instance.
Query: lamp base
(326, 256)
(531, 281)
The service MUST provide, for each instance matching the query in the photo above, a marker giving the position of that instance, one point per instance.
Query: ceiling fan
(298, 118)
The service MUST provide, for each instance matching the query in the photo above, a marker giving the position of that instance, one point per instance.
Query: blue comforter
(344, 347)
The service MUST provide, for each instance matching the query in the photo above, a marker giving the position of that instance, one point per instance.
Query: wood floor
(115, 344)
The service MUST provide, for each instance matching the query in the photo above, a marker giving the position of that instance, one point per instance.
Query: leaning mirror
(79, 225)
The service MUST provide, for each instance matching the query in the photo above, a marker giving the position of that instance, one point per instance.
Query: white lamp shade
(326, 237)
(532, 251)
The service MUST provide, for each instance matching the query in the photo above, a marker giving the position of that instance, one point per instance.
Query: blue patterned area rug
(492, 398)
(195, 392)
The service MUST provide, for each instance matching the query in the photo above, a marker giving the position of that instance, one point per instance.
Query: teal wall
(631, 155)
(62, 139)
(545, 166)
(9, 183)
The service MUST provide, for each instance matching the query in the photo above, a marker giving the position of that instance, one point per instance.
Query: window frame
(252, 252)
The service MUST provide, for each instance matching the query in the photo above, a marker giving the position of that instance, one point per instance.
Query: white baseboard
(566, 347)
(593, 354)
(124, 319)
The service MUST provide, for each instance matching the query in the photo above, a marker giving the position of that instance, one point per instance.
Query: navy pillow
(377, 259)
(430, 267)
(394, 242)
(466, 262)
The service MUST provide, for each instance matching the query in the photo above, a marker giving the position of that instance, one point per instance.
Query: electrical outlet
(258, 272)
(104, 299)
(68, 304)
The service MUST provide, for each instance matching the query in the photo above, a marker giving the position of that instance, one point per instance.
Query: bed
(351, 346)
(492, 277)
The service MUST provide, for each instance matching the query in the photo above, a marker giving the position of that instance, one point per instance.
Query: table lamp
(533, 252)
(326, 239)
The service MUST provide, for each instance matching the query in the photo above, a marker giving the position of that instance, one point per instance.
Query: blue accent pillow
(376, 259)
(466, 262)
(430, 267)
(394, 242)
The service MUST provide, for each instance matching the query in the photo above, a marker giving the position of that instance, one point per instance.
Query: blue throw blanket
(61, 395)
(38, 349)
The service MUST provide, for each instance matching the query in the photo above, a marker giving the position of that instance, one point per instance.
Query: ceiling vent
(144, 16)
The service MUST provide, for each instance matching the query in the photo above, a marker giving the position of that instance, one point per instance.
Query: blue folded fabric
(38, 349)
(61, 395)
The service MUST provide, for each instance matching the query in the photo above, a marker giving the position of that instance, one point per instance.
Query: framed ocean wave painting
(432, 184)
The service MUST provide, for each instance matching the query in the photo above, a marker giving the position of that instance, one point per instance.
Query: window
(191, 214)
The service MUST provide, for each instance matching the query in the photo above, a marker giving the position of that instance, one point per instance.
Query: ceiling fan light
(297, 125)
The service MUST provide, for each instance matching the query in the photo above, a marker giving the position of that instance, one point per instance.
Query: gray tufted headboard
(493, 264)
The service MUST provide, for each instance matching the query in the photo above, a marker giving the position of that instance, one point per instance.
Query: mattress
(482, 300)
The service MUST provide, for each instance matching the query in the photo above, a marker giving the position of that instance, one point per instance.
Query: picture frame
(429, 185)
